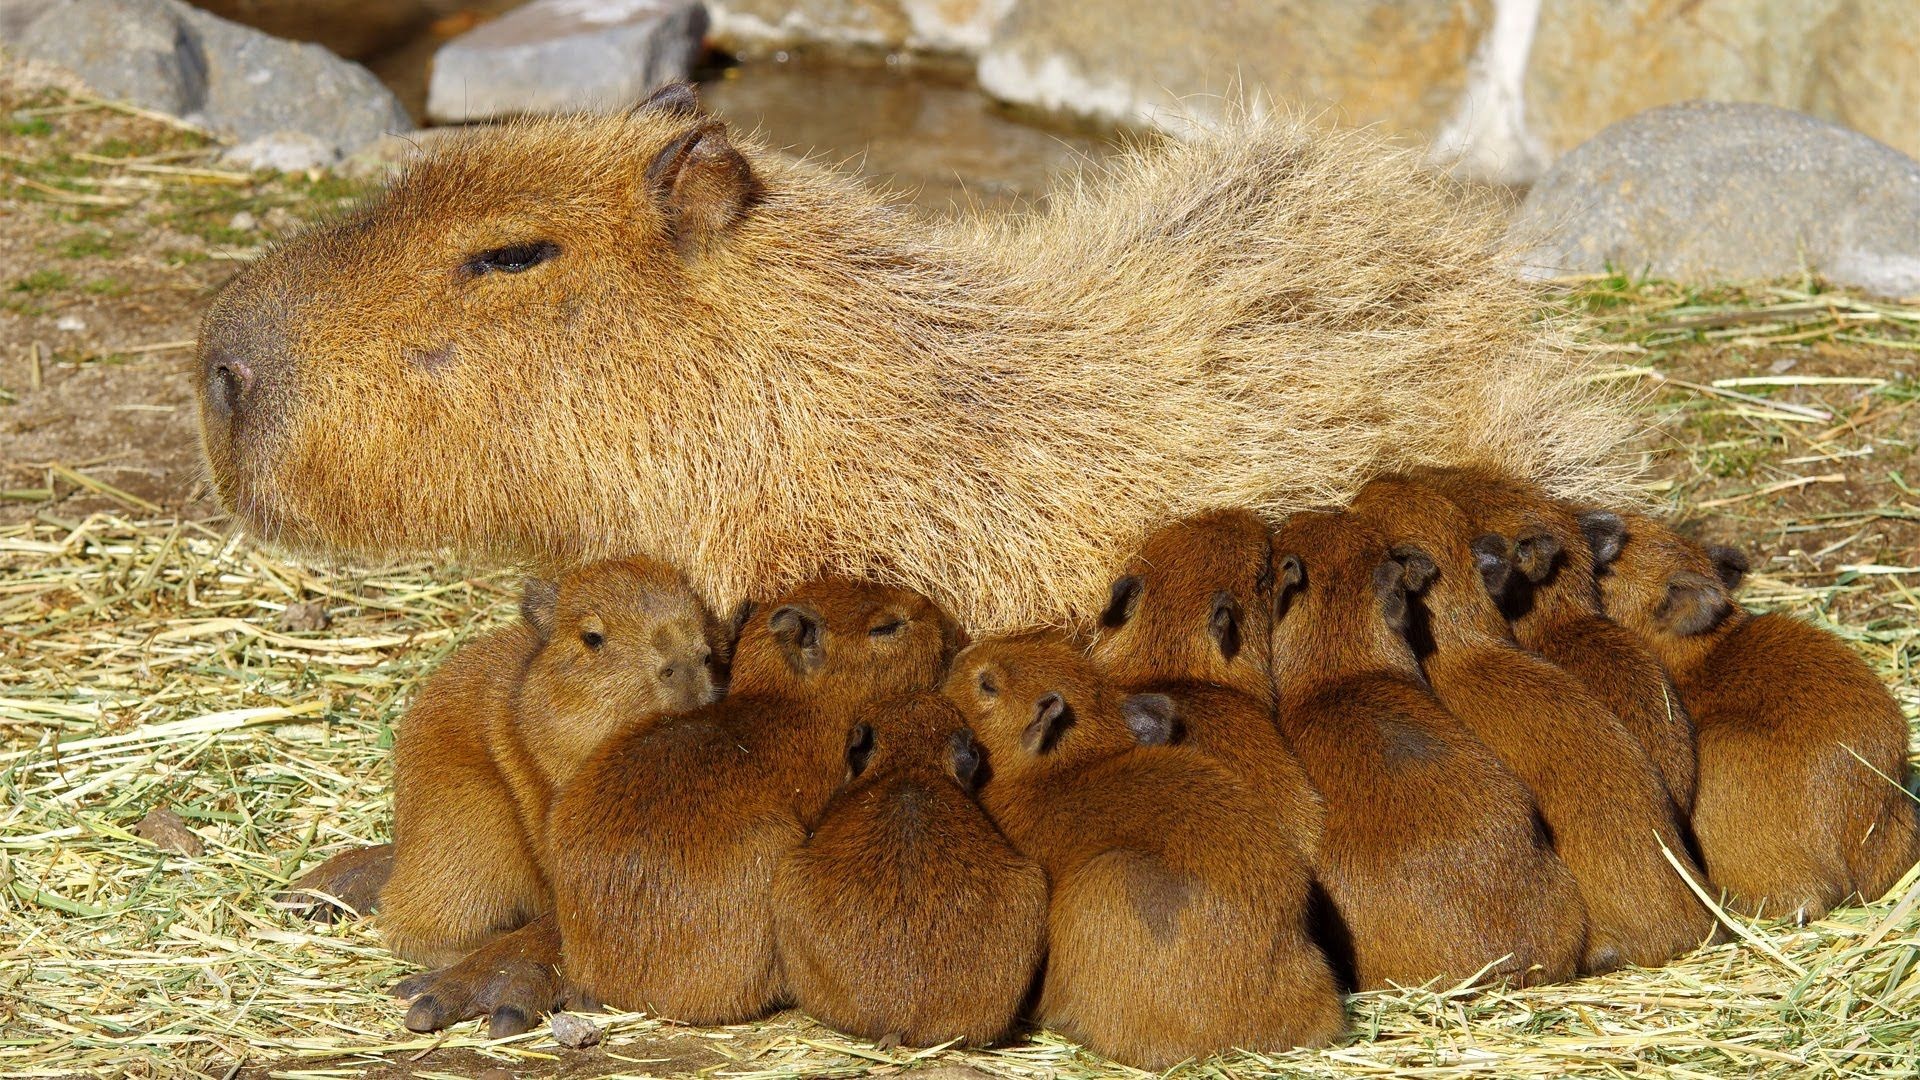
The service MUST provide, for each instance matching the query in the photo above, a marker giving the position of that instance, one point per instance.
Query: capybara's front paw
(350, 882)
(513, 981)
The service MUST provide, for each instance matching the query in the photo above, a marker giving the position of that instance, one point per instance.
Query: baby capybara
(663, 847)
(1433, 858)
(1607, 809)
(502, 724)
(1178, 924)
(1802, 751)
(906, 916)
(1189, 621)
(1554, 606)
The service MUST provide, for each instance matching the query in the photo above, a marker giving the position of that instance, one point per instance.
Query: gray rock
(1707, 191)
(572, 1031)
(232, 80)
(565, 56)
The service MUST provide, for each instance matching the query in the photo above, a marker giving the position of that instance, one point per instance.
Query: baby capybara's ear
(1121, 602)
(1493, 556)
(1606, 534)
(859, 748)
(704, 186)
(1288, 579)
(1535, 551)
(963, 757)
(1390, 587)
(1730, 563)
(674, 99)
(796, 630)
(539, 600)
(1051, 716)
(1693, 604)
(1153, 719)
(1223, 623)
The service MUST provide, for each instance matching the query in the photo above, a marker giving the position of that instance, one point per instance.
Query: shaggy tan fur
(759, 371)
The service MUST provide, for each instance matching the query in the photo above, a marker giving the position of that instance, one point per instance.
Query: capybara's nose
(229, 381)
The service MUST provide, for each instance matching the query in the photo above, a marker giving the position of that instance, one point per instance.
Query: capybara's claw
(512, 980)
(349, 882)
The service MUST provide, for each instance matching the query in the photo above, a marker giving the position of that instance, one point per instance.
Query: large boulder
(762, 27)
(555, 56)
(301, 104)
(1401, 63)
(351, 28)
(1707, 191)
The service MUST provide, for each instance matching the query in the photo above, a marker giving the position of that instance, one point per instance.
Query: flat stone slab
(561, 56)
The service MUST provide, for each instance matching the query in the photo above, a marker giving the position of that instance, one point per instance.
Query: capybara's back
(564, 338)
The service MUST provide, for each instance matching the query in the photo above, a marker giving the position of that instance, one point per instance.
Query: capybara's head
(921, 735)
(518, 315)
(1676, 594)
(1036, 703)
(1193, 604)
(619, 639)
(844, 641)
(1473, 566)
(1343, 600)
(1551, 561)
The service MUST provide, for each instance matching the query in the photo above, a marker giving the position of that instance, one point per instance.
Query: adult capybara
(1803, 753)
(906, 916)
(1609, 813)
(1434, 861)
(502, 725)
(1177, 925)
(1554, 606)
(1189, 621)
(571, 337)
(662, 848)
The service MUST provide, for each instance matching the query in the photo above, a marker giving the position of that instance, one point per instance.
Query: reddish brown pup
(663, 847)
(1433, 859)
(1554, 606)
(906, 916)
(1190, 623)
(1177, 926)
(1606, 808)
(503, 722)
(1802, 751)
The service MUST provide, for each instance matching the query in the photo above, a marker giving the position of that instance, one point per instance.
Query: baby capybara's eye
(592, 640)
(512, 259)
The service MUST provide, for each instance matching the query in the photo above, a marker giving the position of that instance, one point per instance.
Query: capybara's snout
(245, 373)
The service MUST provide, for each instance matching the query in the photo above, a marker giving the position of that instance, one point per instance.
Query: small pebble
(573, 1032)
(493, 1074)
(72, 324)
(169, 832)
(304, 615)
(244, 221)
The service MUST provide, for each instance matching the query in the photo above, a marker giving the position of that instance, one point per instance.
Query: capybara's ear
(859, 748)
(1606, 534)
(539, 600)
(1051, 716)
(1493, 556)
(734, 625)
(1152, 718)
(1390, 587)
(1694, 604)
(1223, 622)
(1730, 563)
(963, 757)
(797, 631)
(674, 99)
(1534, 552)
(704, 185)
(1287, 581)
(1121, 602)
(1417, 568)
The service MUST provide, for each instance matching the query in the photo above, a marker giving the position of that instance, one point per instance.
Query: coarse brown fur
(1177, 925)
(559, 338)
(662, 849)
(1433, 859)
(1190, 621)
(906, 916)
(1605, 806)
(1554, 606)
(1803, 753)
(504, 722)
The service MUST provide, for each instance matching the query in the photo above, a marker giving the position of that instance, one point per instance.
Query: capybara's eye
(888, 629)
(592, 640)
(513, 258)
(988, 686)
